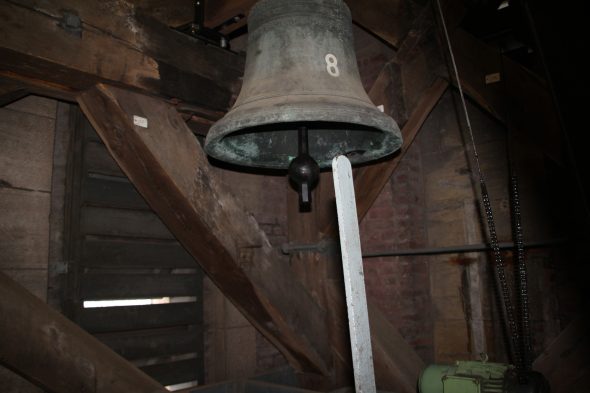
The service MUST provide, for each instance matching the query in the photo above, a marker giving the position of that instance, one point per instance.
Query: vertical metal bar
(354, 280)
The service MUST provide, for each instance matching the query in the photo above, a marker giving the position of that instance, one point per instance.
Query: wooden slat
(112, 319)
(111, 192)
(45, 347)
(117, 44)
(118, 253)
(98, 160)
(134, 345)
(122, 222)
(170, 169)
(96, 286)
(175, 372)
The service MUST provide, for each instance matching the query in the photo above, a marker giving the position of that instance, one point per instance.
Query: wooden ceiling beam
(49, 350)
(169, 168)
(71, 45)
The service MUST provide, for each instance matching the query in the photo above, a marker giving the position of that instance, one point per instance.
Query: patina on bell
(301, 71)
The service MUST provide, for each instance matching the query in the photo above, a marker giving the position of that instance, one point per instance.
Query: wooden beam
(371, 179)
(11, 91)
(565, 361)
(46, 348)
(171, 171)
(519, 99)
(112, 42)
(390, 20)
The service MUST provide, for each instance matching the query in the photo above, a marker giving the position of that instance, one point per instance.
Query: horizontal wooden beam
(46, 348)
(68, 46)
(169, 168)
(11, 91)
(388, 19)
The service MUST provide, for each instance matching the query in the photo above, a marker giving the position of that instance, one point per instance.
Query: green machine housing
(466, 377)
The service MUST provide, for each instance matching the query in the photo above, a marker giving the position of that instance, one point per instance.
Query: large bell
(301, 71)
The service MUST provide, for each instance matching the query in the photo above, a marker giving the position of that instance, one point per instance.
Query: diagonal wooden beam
(519, 98)
(49, 350)
(66, 46)
(370, 180)
(168, 167)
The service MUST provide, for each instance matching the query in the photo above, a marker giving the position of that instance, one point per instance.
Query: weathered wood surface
(172, 174)
(521, 99)
(96, 286)
(45, 347)
(565, 361)
(370, 180)
(388, 19)
(11, 91)
(107, 252)
(170, 373)
(114, 319)
(145, 344)
(26, 151)
(114, 43)
(123, 223)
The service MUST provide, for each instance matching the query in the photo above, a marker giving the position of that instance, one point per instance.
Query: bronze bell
(301, 70)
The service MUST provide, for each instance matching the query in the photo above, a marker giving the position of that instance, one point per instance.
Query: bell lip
(292, 110)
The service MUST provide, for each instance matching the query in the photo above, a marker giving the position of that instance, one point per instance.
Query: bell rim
(287, 110)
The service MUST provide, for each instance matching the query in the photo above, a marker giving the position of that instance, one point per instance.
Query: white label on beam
(354, 279)
(492, 78)
(140, 121)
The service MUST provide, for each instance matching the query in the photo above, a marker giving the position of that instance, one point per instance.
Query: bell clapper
(304, 171)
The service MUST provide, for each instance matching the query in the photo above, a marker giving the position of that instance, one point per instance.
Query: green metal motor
(478, 377)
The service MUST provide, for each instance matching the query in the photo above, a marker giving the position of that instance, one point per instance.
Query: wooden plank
(142, 344)
(116, 44)
(125, 253)
(42, 345)
(122, 223)
(98, 160)
(110, 191)
(56, 280)
(176, 372)
(113, 319)
(170, 169)
(24, 226)
(26, 150)
(97, 286)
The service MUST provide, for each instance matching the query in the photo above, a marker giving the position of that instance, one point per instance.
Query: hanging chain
(522, 285)
(507, 311)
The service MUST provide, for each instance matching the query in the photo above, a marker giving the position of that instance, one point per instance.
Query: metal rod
(461, 249)
(303, 143)
(354, 280)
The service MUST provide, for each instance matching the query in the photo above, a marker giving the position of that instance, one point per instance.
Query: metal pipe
(461, 249)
